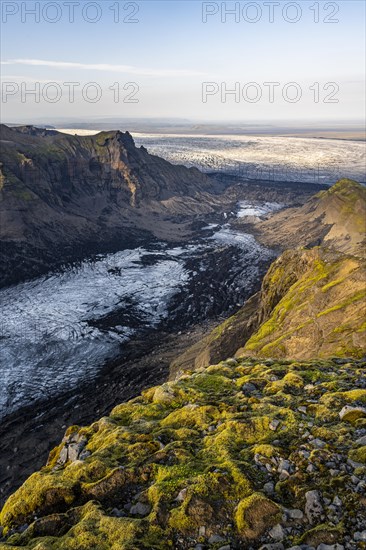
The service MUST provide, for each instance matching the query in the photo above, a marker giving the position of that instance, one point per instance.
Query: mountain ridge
(65, 197)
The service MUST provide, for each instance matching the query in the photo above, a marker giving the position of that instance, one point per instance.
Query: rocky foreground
(242, 454)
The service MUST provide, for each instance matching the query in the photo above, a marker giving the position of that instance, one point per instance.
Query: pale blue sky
(170, 52)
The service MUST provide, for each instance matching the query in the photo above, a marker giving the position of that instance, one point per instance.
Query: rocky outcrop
(321, 314)
(245, 453)
(63, 197)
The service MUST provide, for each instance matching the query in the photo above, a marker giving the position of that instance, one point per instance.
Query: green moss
(322, 533)
(255, 514)
(355, 298)
(194, 451)
(265, 450)
(359, 455)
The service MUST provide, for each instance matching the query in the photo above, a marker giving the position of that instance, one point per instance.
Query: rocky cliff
(63, 197)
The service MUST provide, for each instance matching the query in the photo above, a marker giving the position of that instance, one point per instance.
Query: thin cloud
(106, 67)
(20, 78)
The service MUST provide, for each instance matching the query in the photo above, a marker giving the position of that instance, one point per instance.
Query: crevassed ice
(47, 344)
(275, 158)
(248, 209)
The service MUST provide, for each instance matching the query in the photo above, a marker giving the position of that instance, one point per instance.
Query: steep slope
(242, 453)
(63, 196)
(321, 314)
(312, 301)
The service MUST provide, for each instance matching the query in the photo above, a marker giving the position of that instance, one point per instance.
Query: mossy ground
(197, 454)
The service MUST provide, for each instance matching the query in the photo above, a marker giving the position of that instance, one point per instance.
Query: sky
(184, 59)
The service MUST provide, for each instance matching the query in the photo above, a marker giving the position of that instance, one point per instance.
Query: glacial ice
(275, 158)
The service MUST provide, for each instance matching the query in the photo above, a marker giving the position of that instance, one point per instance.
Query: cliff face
(313, 301)
(62, 196)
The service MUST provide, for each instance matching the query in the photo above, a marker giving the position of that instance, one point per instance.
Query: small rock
(227, 547)
(302, 409)
(248, 388)
(284, 466)
(274, 546)
(360, 536)
(202, 531)
(214, 539)
(336, 546)
(295, 514)
(313, 506)
(304, 453)
(75, 449)
(354, 464)
(140, 509)
(318, 443)
(274, 424)
(361, 440)
(337, 501)
(117, 513)
(268, 488)
(277, 532)
(182, 495)
(62, 459)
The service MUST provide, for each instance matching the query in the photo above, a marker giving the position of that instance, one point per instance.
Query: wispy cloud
(106, 67)
(21, 78)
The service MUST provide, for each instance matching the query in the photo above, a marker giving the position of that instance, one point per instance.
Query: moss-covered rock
(256, 514)
(203, 457)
